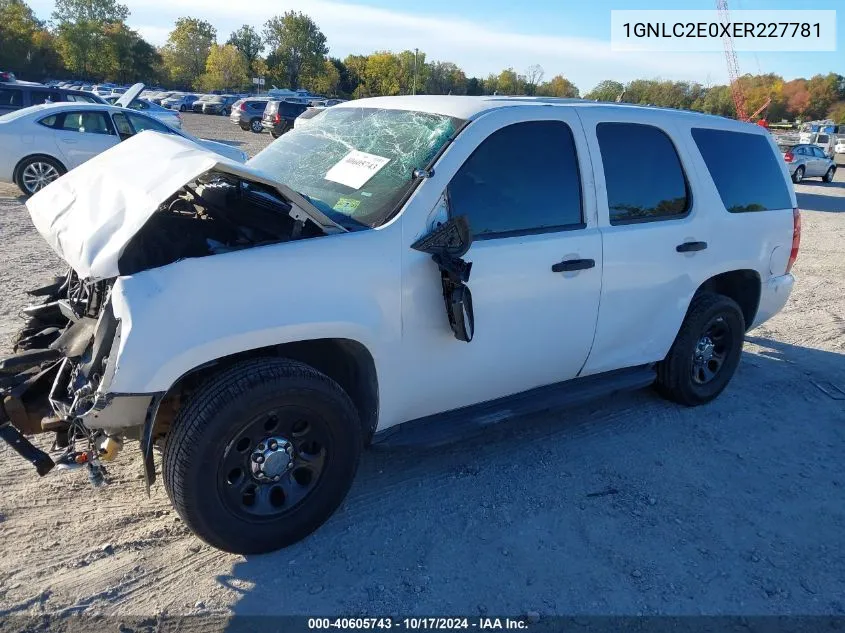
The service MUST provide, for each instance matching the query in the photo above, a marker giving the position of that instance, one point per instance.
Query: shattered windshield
(356, 163)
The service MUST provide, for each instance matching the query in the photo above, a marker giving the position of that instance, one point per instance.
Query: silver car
(808, 161)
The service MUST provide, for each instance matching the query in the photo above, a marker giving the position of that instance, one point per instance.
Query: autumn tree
(558, 86)
(80, 32)
(225, 69)
(445, 78)
(327, 81)
(186, 51)
(247, 40)
(297, 48)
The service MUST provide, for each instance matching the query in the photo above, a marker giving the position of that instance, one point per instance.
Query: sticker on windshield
(346, 205)
(356, 168)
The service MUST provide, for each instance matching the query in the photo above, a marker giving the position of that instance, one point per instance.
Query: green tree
(225, 69)
(186, 52)
(824, 92)
(247, 40)
(607, 90)
(327, 81)
(837, 113)
(26, 47)
(298, 47)
(80, 32)
(445, 78)
(507, 83)
(128, 58)
(558, 86)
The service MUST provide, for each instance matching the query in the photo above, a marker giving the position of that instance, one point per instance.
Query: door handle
(691, 247)
(569, 265)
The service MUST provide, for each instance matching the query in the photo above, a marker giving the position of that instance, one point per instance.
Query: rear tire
(274, 134)
(261, 455)
(182, 108)
(36, 172)
(830, 175)
(706, 351)
(798, 176)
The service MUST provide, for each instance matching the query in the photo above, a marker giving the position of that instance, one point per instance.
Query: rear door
(523, 179)
(83, 134)
(654, 234)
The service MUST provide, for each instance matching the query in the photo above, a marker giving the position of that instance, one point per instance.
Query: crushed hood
(90, 214)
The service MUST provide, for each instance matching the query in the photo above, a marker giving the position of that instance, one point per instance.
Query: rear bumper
(773, 297)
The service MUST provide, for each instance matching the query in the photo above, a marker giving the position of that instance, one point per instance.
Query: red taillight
(796, 238)
(788, 157)
(277, 118)
(242, 107)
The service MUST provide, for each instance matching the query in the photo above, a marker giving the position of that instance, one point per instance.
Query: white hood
(91, 213)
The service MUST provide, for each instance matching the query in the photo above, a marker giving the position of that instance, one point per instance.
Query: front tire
(829, 176)
(706, 351)
(261, 455)
(36, 172)
(255, 125)
(798, 176)
(182, 108)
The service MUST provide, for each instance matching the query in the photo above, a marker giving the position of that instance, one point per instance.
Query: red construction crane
(733, 69)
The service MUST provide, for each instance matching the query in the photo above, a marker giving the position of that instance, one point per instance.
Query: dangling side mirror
(446, 245)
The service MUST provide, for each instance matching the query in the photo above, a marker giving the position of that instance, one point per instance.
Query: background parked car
(6, 76)
(161, 96)
(17, 95)
(199, 103)
(180, 101)
(248, 112)
(808, 161)
(840, 146)
(280, 115)
(305, 117)
(43, 142)
(219, 104)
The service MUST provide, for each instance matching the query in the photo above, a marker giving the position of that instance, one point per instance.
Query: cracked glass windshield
(356, 163)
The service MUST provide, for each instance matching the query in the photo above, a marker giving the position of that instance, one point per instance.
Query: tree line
(90, 39)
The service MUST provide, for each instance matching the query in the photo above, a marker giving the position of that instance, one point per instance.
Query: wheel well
(743, 286)
(345, 361)
(16, 170)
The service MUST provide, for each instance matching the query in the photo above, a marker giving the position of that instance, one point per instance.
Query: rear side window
(11, 97)
(37, 97)
(746, 171)
(80, 98)
(523, 178)
(643, 174)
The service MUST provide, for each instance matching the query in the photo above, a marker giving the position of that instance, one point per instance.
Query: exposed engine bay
(62, 353)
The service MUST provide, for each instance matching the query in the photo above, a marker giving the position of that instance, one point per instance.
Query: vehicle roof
(466, 107)
(76, 105)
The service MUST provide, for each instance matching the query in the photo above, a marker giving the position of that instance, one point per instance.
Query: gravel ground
(626, 506)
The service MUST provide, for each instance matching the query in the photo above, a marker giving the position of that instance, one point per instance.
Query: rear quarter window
(745, 170)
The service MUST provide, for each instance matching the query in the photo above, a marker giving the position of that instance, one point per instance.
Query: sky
(568, 37)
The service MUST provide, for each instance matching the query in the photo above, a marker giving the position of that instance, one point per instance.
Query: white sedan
(840, 146)
(42, 142)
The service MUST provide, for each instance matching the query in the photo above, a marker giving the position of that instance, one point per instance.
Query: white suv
(416, 261)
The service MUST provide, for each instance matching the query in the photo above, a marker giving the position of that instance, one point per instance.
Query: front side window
(11, 97)
(523, 178)
(643, 173)
(818, 153)
(746, 171)
(357, 163)
(85, 123)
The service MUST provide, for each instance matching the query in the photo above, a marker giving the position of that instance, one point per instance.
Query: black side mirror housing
(446, 245)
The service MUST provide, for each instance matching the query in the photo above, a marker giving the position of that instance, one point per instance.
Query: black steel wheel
(261, 455)
(706, 351)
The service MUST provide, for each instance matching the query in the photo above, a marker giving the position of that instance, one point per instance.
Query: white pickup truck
(400, 269)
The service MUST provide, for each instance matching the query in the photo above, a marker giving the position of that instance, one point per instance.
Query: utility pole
(416, 51)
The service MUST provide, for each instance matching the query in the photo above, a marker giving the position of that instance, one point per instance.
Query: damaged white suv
(398, 270)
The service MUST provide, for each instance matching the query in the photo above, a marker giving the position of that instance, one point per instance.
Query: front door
(522, 178)
(83, 134)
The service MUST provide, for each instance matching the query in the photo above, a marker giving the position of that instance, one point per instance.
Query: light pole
(416, 51)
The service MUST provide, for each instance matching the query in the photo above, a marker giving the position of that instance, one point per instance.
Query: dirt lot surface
(626, 506)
